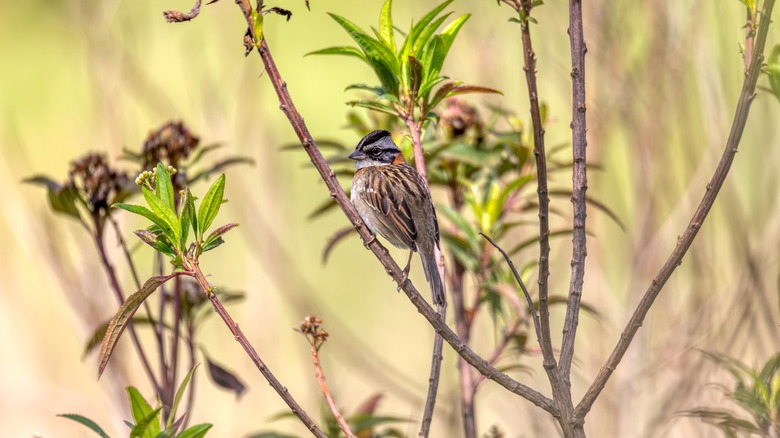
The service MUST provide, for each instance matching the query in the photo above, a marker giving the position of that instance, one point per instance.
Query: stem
(315, 358)
(113, 280)
(191, 390)
(685, 240)
(499, 350)
(250, 350)
(174, 356)
(433, 380)
(542, 323)
(415, 128)
(465, 375)
(579, 187)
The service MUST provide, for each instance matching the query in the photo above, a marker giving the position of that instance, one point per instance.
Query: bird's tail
(432, 275)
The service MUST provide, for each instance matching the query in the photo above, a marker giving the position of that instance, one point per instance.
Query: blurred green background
(662, 80)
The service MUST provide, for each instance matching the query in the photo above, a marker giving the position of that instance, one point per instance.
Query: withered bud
(458, 117)
(170, 143)
(310, 327)
(96, 180)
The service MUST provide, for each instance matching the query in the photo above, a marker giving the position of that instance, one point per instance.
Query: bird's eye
(375, 153)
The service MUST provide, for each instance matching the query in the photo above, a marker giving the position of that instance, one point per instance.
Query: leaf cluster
(755, 391)
(410, 81)
(147, 421)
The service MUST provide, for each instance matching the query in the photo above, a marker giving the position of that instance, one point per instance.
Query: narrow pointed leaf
(180, 394)
(340, 50)
(418, 28)
(386, 25)
(164, 186)
(196, 431)
(161, 209)
(209, 207)
(145, 212)
(373, 106)
(451, 31)
(224, 378)
(427, 33)
(336, 238)
(222, 230)
(123, 316)
(148, 427)
(84, 421)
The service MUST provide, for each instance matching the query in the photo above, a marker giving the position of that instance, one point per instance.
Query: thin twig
(543, 333)
(296, 409)
(685, 240)
(311, 329)
(579, 184)
(433, 380)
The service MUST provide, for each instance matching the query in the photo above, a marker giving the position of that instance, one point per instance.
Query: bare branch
(684, 241)
(579, 184)
(433, 380)
(250, 350)
(542, 325)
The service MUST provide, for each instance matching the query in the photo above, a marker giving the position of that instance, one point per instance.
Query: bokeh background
(663, 79)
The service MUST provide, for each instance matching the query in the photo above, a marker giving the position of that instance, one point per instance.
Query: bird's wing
(387, 193)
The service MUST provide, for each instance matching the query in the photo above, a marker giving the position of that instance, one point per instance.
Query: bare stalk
(313, 332)
(239, 336)
(433, 380)
(579, 187)
(685, 240)
(542, 323)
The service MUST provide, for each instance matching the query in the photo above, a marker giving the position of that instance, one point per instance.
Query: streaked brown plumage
(394, 202)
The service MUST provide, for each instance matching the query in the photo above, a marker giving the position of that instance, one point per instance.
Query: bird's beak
(357, 155)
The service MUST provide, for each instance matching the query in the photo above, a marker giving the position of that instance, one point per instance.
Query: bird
(394, 201)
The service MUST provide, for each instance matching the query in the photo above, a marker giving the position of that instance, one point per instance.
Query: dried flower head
(310, 328)
(458, 117)
(170, 143)
(96, 181)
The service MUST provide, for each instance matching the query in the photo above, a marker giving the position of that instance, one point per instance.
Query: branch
(542, 324)
(310, 329)
(684, 241)
(433, 380)
(250, 350)
(579, 182)
(329, 177)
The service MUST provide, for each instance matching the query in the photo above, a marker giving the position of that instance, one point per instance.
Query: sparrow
(393, 200)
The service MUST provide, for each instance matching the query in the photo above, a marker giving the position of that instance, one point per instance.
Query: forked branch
(685, 240)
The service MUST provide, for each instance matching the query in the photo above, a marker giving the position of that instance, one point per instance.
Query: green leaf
(118, 323)
(193, 212)
(185, 219)
(62, 199)
(86, 422)
(364, 422)
(161, 209)
(386, 26)
(376, 106)
(210, 243)
(340, 50)
(209, 207)
(196, 431)
(180, 394)
(433, 58)
(157, 241)
(164, 186)
(379, 57)
(418, 28)
(426, 34)
(145, 212)
(143, 414)
(451, 31)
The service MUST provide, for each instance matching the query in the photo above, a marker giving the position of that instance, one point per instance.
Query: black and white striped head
(375, 149)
